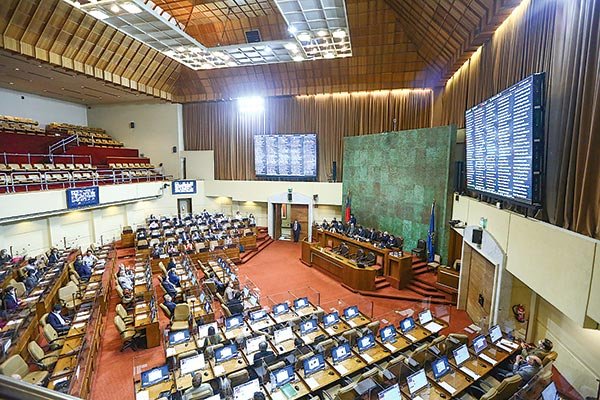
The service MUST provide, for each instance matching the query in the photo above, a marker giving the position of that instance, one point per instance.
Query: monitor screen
(340, 353)
(549, 392)
(253, 343)
(495, 333)
(440, 367)
(246, 292)
(387, 333)
(253, 300)
(258, 315)
(504, 139)
(416, 381)
(407, 324)
(308, 326)
(246, 391)
(351, 312)
(281, 308)
(479, 344)
(461, 354)
(225, 353)
(330, 319)
(155, 375)
(313, 364)
(289, 155)
(281, 335)
(282, 376)
(203, 329)
(179, 337)
(366, 342)
(301, 303)
(391, 393)
(425, 317)
(234, 322)
(192, 364)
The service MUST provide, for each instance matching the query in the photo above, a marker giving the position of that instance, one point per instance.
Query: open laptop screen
(416, 381)
(495, 333)
(407, 324)
(340, 353)
(192, 364)
(301, 302)
(155, 375)
(440, 367)
(461, 354)
(280, 308)
(330, 319)
(246, 391)
(479, 344)
(387, 333)
(366, 342)
(179, 337)
(282, 376)
(225, 353)
(351, 312)
(308, 326)
(313, 364)
(234, 322)
(391, 393)
(425, 317)
(281, 335)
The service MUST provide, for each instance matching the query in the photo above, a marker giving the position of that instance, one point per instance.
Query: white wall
(158, 127)
(42, 109)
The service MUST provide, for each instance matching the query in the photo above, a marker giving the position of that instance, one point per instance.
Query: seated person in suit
(30, 281)
(172, 251)
(258, 396)
(262, 353)
(352, 219)
(125, 280)
(32, 267)
(525, 368)
(157, 250)
(54, 257)
(89, 259)
(169, 303)
(220, 285)
(169, 288)
(58, 322)
(324, 225)
(173, 278)
(543, 348)
(11, 301)
(5, 256)
(83, 269)
(391, 242)
(229, 292)
(236, 305)
(197, 387)
(213, 337)
(172, 264)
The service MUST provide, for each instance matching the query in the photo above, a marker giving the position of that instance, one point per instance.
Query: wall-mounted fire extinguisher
(519, 311)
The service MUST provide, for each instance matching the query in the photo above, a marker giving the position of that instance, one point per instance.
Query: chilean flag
(431, 235)
(348, 206)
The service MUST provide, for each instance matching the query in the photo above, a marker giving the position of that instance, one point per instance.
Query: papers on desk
(508, 343)
(312, 383)
(30, 299)
(506, 349)
(79, 325)
(81, 317)
(447, 387)
(219, 370)
(472, 328)
(143, 395)
(470, 372)
(410, 337)
(138, 306)
(367, 358)
(488, 359)
(341, 369)
(352, 323)
(417, 398)
(390, 347)
(171, 351)
(433, 327)
(330, 330)
(141, 316)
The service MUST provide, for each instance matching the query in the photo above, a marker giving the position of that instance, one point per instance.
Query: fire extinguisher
(519, 311)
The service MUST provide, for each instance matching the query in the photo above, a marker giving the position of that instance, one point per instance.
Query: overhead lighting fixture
(292, 29)
(329, 54)
(339, 34)
(291, 46)
(115, 8)
(322, 33)
(251, 105)
(298, 58)
(131, 8)
(304, 37)
(98, 14)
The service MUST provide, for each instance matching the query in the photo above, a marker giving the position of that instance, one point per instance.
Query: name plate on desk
(82, 197)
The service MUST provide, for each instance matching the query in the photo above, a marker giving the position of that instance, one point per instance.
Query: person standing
(296, 228)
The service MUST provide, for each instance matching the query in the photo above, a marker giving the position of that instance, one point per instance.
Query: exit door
(184, 207)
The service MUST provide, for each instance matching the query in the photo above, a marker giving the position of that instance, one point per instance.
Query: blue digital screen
(288, 155)
(82, 197)
(504, 149)
(183, 187)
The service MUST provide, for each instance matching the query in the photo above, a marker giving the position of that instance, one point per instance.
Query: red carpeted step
(380, 279)
(382, 285)
(248, 255)
(424, 292)
(406, 297)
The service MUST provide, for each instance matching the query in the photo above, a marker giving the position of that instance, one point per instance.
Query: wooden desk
(400, 344)
(320, 379)
(197, 310)
(242, 331)
(309, 338)
(331, 239)
(77, 329)
(359, 321)
(184, 382)
(455, 379)
(338, 328)
(229, 366)
(477, 365)
(262, 324)
(301, 388)
(284, 317)
(143, 323)
(72, 345)
(343, 270)
(495, 353)
(154, 391)
(349, 366)
(427, 393)
(418, 333)
(284, 347)
(375, 354)
(174, 351)
(308, 310)
(64, 365)
(399, 271)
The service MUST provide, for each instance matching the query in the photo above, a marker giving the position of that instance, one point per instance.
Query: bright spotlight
(252, 104)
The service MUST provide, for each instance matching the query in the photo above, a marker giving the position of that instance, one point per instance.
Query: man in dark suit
(236, 305)
(83, 270)
(262, 353)
(11, 302)
(169, 288)
(169, 303)
(173, 278)
(296, 228)
(57, 321)
(30, 281)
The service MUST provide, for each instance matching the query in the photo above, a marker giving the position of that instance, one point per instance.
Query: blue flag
(431, 235)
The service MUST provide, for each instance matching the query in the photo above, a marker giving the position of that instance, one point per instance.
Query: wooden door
(277, 221)
(300, 212)
(480, 285)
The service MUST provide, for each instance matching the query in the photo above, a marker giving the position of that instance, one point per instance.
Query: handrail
(5, 155)
(13, 389)
(63, 143)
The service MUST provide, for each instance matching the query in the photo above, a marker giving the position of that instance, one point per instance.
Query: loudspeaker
(334, 172)
(459, 176)
(174, 149)
(477, 236)
(290, 197)
(132, 125)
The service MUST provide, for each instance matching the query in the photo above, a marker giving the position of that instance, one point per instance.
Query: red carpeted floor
(279, 274)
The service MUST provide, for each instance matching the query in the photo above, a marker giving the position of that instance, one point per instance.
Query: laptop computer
(154, 376)
(416, 382)
(365, 342)
(192, 364)
(178, 337)
(258, 315)
(301, 303)
(330, 319)
(479, 345)
(440, 367)
(407, 324)
(246, 391)
(313, 364)
(234, 322)
(391, 393)
(308, 326)
(426, 320)
(388, 334)
(281, 335)
(461, 356)
(225, 353)
(283, 376)
(351, 312)
(340, 353)
(280, 308)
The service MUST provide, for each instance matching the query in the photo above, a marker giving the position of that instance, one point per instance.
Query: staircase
(381, 283)
(263, 240)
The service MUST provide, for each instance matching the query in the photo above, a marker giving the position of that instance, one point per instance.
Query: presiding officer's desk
(320, 379)
(343, 269)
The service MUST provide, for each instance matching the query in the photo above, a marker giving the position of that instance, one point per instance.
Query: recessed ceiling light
(322, 33)
(292, 29)
(11, 83)
(298, 58)
(16, 69)
(291, 46)
(304, 37)
(98, 14)
(339, 34)
(329, 54)
(115, 8)
(131, 8)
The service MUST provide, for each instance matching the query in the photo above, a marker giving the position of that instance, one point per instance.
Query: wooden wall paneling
(480, 282)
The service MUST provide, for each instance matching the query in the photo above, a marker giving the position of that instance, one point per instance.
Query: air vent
(253, 36)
